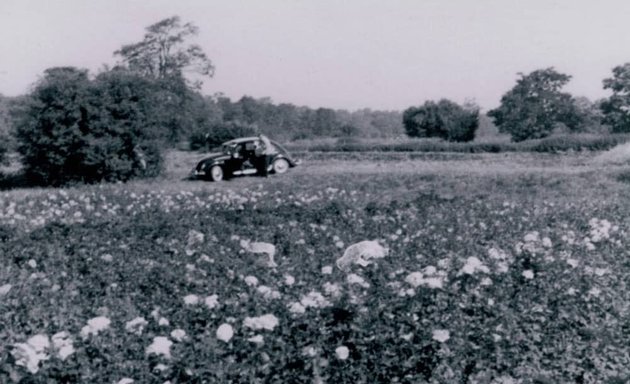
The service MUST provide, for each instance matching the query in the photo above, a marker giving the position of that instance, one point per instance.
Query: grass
(550, 306)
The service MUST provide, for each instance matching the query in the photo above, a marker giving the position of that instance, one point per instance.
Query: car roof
(241, 140)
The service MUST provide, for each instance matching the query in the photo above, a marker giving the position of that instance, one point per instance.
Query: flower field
(490, 278)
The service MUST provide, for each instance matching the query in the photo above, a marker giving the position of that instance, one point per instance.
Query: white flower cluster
(429, 277)
(362, 254)
(268, 322)
(472, 266)
(36, 349)
(600, 230)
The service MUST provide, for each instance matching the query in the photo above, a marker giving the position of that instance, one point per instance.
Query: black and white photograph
(314, 191)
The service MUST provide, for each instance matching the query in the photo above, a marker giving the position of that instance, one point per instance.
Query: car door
(249, 158)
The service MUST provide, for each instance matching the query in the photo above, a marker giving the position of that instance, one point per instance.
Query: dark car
(239, 157)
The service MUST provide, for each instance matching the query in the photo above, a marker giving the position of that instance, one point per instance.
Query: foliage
(542, 302)
(163, 53)
(616, 108)
(289, 122)
(222, 132)
(535, 106)
(444, 119)
(73, 129)
(592, 116)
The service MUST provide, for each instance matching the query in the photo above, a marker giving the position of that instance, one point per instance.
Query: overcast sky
(351, 54)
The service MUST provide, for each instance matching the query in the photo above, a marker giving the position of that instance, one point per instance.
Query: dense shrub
(73, 129)
(444, 119)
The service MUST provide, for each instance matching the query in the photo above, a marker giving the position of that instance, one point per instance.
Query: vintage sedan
(238, 158)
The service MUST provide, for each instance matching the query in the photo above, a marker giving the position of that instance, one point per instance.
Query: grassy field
(501, 268)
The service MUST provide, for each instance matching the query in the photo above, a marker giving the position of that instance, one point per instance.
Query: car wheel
(280, 166)
(216, 173)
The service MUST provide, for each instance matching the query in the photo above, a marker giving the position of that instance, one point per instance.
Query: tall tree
(535, 105)
(164, 51)
(616, 108)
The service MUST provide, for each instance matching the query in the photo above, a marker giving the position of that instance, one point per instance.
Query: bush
(73, 129)
(444, 119)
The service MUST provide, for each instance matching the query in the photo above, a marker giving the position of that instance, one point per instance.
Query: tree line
(80, 127)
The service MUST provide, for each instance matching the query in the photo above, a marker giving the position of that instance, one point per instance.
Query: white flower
(178, 335)
(356, 279)
(289, 280)
(594, 291)
(414, 279)
(126, 380)
(361, 253)
(163, 321)
(309, 351)
(327, 270)
(63, 344)
(473, 265)
(532, 237)
(528, 274)
(32, 263)
(314, 299)
(251, 281)
(160, 346)
(107, 257)
(296, 308)
(486, 281)
(573, 262)
(211, 301)
(434, 280)
(441, 335)
(332, 289)
(95, 325)
(267, 292)
(267, 321)
(191, 300)
(5, 289)
(601, 271)
(342, 352)
(257, 339)
(225, 332)
(136, 325)
(194, 237)
(31, 353)
(260, 247)
(546, 242)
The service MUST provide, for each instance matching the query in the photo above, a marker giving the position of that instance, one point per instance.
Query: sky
(342, 54)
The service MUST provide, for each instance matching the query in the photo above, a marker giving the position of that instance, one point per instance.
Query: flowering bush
(118, 286)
